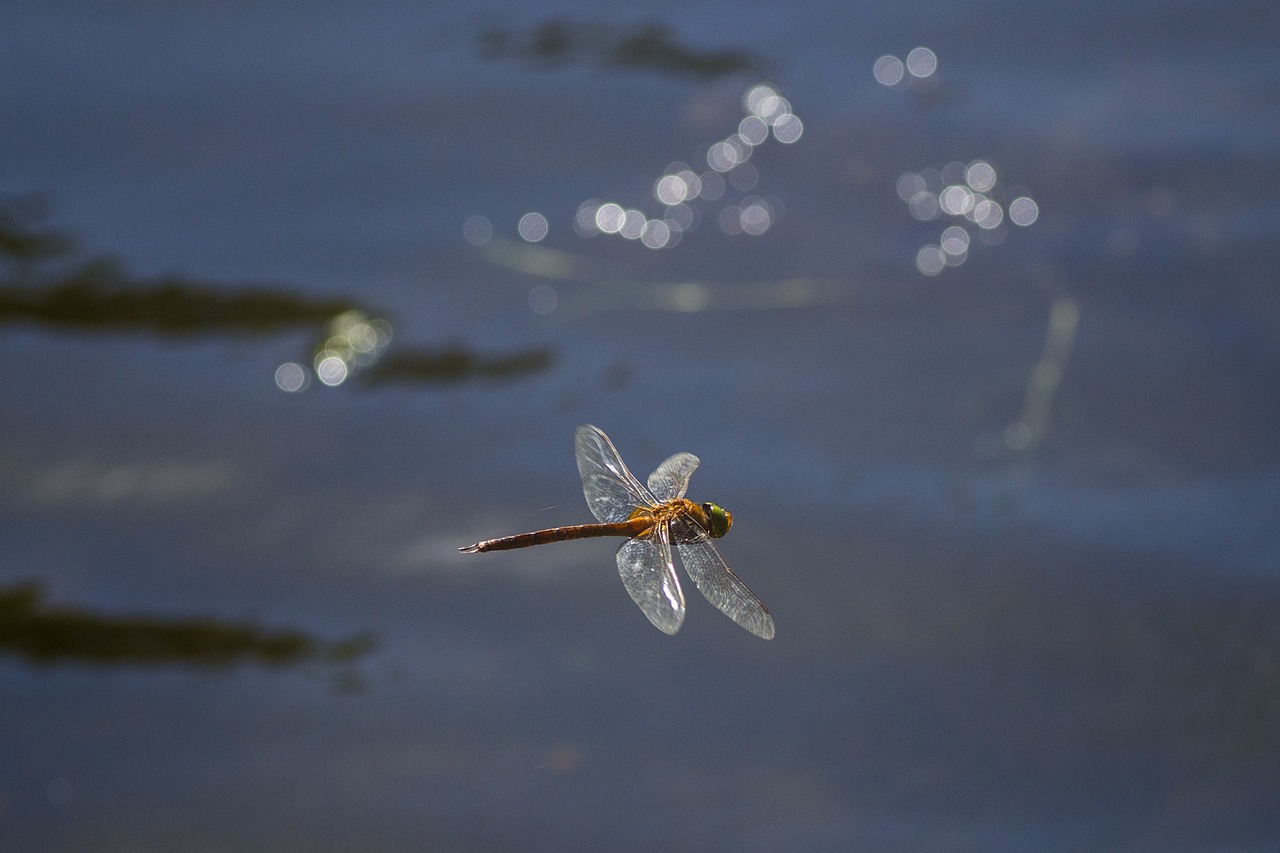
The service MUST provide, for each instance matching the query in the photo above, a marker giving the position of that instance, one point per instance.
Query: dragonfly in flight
(654, 519)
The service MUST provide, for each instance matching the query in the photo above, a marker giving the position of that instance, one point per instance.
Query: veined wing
(717, 582)
(650, 578)
(671, 478)
(612, 492)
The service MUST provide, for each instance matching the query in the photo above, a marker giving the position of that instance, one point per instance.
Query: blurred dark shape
(100, 296)
(617, 376)
(43, 282)
(45, 635)
(454, 363)
(22, 241)
(648, 46)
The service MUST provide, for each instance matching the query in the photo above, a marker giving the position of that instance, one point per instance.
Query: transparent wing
(650, 578)
(671, 478)
(611, 492)
(717, 582)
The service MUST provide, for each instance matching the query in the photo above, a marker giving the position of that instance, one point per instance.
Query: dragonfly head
(720, 518)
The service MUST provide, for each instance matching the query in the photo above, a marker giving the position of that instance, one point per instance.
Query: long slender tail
(634, 527)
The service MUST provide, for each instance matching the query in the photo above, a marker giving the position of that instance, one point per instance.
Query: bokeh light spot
(331, 368)
(930, 260)
(922, 62)
(753, 130)
(923, 206)
(956, 200)
(477, 230)
(292, 377)
(788, 129)
(888, 70)
(656, 234)
(609, 217)
(955, 240)
(1017, 436)
(533, 227)
(773, 107)
(584, 221)
(633, 223)
(543, 299)
(722, 156)
(756, 95)
(910, 185)
(670, 189)
(755, 216)
(980, 176)
(1023, 211)
(987, 214)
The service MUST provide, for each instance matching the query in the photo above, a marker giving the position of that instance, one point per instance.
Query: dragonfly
(654, 519)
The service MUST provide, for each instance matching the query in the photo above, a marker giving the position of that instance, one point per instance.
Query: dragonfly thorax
(712, 518)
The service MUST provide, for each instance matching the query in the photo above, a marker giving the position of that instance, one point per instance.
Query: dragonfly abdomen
(632, 527)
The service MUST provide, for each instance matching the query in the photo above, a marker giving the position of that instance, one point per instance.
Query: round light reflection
(633, 223)
(788, 129)
(980, 176)
(922, 62)
(955, 240)
(584, 221)
(609, 217)
(955, 200)
(543, 299)
(533, 227)
(930, 260)
(987, 214)
(1023, 211)
(888, 70)
(753, 130)
(923, 206)
(477, 230)
(331, 369)
(656, 234)
(910, 185)
(292, 377)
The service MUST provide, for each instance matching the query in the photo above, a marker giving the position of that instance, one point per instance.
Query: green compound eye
(721, 519)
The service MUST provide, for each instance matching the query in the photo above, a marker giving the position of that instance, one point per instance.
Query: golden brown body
(642, 522)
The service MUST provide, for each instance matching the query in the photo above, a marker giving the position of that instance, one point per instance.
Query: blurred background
(969, 310)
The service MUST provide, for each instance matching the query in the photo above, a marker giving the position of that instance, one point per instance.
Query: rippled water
(970, 315)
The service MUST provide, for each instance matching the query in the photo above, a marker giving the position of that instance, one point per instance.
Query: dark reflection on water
(102, 296)
(648, 46)
(45, 282)
(455, 363)
(44, 634)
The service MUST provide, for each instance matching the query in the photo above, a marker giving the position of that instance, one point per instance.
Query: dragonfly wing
(612, 492)
(717, 582)
(650, 578)
(671, 478)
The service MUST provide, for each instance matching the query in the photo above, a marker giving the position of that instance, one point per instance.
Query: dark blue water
(1015, 521)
